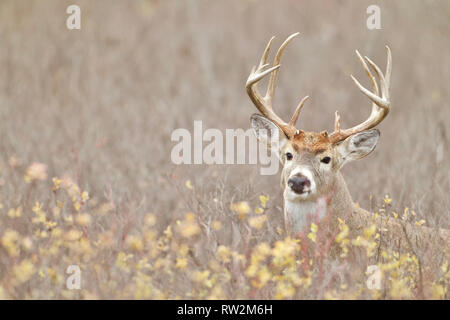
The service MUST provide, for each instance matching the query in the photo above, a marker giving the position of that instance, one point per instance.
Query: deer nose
(298, 183)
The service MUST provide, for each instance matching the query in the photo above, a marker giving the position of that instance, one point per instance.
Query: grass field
(86, 177)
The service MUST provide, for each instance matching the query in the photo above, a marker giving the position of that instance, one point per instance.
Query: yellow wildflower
(135, 243)
(83, 219)
(36, 171)
(9, 242)
(284, 252)
(73, 235)
(438, 291)
(216, 225)
(259, 210)
(313, 234)
(257, 222)
(150, 220)
(181, 263)
(27, 243)
(168, 232)
(405, 214)
(201, 276)
(284, 290)
(15, 213)
(387, 200)
(262, 277)
(280, 231)
(263, 199)
(189, 227)
(56, 183)
(23, 271)
(241, 208)
(399, 289)
(370, 231)
(223, 254)
(420, 223)
(122, 260)
(343, 234)
(84, 196)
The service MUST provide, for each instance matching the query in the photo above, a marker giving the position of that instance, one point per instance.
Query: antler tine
(384, 91)
(264, 104)
(381, 104)
(387, 76)
(369, 74)
(262, 64)
(276, 61)
(266, 53)
(294, 118)
(337, 122)
(376, 99)
(256, 76)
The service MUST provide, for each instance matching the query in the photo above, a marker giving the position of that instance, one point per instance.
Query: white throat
(299, 214)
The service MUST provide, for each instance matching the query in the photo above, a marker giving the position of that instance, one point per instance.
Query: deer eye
(289, 156)
(325, 159)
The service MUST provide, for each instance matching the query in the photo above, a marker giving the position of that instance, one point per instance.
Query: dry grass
(98, 106)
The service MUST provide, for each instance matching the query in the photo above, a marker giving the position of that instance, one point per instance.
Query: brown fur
(311, 142)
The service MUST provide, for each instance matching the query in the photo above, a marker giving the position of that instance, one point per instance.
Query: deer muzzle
(299, 184)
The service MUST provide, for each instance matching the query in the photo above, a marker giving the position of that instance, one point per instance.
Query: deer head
(311, 161)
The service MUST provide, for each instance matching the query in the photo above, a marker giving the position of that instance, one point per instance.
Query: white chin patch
(292, 196)
(307, 192)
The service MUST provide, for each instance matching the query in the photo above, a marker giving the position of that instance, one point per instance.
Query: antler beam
(380, 105)
(264, 104)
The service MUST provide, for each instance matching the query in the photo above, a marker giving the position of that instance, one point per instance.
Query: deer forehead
(310, 142)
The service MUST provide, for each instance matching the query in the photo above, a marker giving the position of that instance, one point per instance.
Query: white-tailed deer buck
(312, 185)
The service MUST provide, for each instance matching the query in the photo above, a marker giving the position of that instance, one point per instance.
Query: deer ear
(268, 132)
(358, 145)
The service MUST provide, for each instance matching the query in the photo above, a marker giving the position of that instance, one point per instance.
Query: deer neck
(334, 202)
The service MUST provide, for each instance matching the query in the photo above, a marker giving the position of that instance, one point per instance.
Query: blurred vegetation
(85, 124)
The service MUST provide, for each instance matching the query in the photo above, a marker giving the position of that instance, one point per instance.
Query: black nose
(298, 183)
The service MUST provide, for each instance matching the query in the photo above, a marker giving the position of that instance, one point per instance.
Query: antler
(380, 105)
(264, 104)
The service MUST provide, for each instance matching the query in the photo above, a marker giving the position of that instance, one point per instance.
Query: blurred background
(99, 104)
(102, 102)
